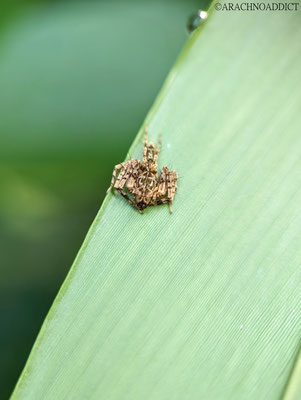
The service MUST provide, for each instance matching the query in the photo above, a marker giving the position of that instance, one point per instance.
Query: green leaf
(203, 303)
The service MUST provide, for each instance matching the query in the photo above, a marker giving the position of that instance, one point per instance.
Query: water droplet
(196, 19)
(168, 145)
(241, 326)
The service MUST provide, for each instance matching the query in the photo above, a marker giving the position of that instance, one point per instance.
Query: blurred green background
(76, 81)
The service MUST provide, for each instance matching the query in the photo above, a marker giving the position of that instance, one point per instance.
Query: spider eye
(141, 205)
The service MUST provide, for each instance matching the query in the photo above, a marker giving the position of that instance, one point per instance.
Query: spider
(139, 183)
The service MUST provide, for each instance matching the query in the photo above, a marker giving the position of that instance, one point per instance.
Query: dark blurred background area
(76, 81)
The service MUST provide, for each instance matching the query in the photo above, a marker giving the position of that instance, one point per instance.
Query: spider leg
(162, 187)
(155, 162)
(116, 168)
(164, 200)
(129, 181)
(172, 187)
(123, 176)
(167, 187)
(144, 159)
(127, 169)
(124, 194)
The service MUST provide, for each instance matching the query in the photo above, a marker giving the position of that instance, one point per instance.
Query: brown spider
(138, 182)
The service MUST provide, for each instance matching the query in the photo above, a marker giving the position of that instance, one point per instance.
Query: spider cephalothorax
(139, 183)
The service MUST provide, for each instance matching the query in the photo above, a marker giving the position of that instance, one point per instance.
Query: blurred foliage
(76, 80)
